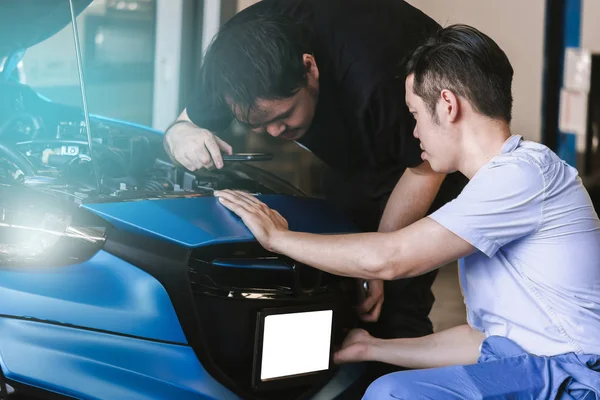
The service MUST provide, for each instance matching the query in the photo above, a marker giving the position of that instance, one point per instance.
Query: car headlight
(36, 237)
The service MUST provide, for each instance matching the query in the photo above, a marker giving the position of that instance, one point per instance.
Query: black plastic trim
(168, 263)
(35, 392)
(3, 389)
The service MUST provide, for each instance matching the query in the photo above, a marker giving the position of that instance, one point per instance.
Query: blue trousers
(504, 371)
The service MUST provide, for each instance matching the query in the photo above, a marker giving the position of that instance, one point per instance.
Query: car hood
(24, 23)
(199, 221)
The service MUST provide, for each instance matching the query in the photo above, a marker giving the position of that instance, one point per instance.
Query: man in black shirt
(327, 74)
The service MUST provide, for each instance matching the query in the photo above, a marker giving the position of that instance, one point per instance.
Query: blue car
(122, 277)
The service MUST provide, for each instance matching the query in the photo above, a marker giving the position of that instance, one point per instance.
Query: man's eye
(248, 126)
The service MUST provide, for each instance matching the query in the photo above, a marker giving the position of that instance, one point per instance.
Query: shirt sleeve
(502, 203)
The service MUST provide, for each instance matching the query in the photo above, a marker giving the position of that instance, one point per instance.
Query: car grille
(232, 282)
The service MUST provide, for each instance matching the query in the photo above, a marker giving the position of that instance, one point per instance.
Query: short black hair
(256, 57)
(464, 60)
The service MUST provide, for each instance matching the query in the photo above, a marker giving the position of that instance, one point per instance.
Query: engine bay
(45, 144)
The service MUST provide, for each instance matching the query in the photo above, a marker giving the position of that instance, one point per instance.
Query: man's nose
(275, 129)
(415, 133)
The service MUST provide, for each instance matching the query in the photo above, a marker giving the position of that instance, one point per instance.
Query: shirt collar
(511, 143)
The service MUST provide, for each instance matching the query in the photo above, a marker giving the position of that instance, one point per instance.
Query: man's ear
(449, 105)
(311, 66)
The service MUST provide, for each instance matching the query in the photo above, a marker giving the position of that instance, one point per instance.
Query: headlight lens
(32, 237)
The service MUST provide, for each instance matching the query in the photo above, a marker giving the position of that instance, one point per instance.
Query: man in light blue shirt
(536, 276)
(524, 227)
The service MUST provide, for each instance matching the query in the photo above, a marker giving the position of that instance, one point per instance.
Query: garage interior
(156, 90)
(166, 30)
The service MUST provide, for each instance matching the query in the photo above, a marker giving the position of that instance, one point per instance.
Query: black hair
(257, 57)
(470, 64)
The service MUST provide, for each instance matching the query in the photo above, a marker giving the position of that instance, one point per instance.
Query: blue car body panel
(103, 293)
(199, 221)
(94, 365)
(107, 329)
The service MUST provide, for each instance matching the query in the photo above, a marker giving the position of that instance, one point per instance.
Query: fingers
(202, 157)
(247, 198)
(371, 306)
(238, 196)
(239, 208)
(228, 198)
(186, 162)
(373, 315)
(195, 148)
(281, 219)
(368, 304)
(252, 205)
(263, 225)
(214, 151)
(224, 146)
(194, 156)
(344, 356)
(355, 347)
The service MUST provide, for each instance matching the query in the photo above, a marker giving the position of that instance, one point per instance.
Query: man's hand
(194, 147)
(264, 223)
(370, 308)
(454, 346)
(355, 347)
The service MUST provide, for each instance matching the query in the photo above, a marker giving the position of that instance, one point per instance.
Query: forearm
(408, 252)
(360, 255)
(411, 198)
(455, 346)
(345, 255)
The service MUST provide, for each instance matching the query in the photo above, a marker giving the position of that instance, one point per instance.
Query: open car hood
(24, 23)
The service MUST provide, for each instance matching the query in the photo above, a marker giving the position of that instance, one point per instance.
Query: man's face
(288, 118)
(435, 140)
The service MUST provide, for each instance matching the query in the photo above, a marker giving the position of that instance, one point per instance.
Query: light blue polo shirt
(535, 278)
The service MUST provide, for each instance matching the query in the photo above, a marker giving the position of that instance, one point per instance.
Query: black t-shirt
(362, 128)
(361, 121)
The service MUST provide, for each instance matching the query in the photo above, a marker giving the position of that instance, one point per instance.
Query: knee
(395, 386)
